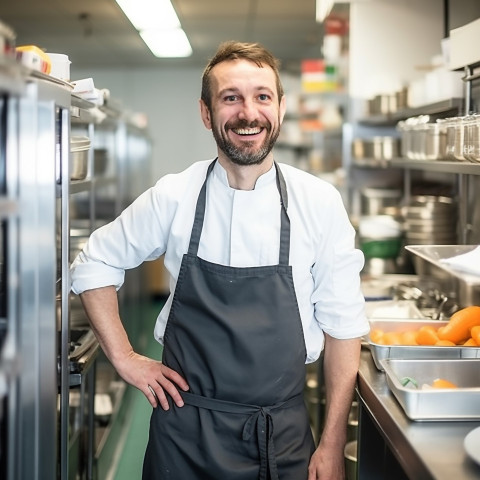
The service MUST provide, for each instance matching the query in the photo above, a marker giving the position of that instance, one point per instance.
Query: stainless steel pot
(375, 200)
(79, 147)
(376, 148)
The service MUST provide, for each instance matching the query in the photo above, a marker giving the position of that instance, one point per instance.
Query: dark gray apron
(236, 336)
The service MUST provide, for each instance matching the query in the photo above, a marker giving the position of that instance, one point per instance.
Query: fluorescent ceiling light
(167, 43)
(158, 25)
(322, 9)
(146, 14)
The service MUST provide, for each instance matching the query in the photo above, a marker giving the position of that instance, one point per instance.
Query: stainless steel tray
(436, 254)
(459, 404)
(394, 309)
(382, 352)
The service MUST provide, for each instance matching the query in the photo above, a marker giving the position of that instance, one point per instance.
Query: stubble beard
(245, 154)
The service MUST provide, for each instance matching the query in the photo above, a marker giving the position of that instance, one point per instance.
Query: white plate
(472, 444)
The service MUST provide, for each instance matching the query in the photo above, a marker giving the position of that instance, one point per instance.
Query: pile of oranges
(462, 329)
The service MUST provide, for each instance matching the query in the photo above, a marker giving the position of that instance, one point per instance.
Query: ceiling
(96, 33)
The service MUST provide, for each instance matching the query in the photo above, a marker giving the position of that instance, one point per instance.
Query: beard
(246, 153)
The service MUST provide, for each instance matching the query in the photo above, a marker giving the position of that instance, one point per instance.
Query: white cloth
(241, 229)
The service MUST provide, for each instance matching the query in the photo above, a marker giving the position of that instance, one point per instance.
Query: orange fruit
(470, 343)
(376, 335)
(392, 338)
(409, 337)
(475, 333)
(427, 335)
(442, 383)
(445, 343)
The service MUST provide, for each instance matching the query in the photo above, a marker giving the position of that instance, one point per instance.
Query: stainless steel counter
(392, 446)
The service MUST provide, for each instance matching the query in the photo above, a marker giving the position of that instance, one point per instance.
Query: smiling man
(264, 276)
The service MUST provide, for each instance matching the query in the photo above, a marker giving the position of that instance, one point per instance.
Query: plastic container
(34, 58)
(60, 66)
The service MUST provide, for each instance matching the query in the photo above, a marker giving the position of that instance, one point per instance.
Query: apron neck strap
(284, 219)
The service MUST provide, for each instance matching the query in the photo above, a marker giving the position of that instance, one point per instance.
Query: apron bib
(236, 336)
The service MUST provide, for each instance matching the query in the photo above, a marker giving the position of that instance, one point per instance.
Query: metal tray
(382, 352)
(392, 309)
(459, 404)
(436, 254)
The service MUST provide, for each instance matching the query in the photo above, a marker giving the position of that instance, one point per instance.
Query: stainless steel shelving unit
(47, 382)
(29, 361)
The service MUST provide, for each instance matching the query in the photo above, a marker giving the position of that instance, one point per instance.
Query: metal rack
(29, 276)
(44, 434)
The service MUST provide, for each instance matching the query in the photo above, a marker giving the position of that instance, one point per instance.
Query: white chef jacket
(241, 229)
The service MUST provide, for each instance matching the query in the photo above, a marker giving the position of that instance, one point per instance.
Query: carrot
(442, 383)
(475, 333)
(457, 330)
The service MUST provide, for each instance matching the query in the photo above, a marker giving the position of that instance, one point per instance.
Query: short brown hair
(232, 50)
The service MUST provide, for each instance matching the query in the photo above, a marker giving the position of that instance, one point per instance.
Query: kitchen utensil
(431, 404)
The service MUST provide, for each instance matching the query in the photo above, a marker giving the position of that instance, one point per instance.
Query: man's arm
(341, 363)
(101, 306)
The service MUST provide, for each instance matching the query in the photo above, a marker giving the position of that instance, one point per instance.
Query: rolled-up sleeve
(133, 237)
(337, 296)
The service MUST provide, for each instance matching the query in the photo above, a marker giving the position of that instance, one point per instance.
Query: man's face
(245, 117)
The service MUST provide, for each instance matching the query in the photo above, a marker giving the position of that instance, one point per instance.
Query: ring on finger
(152, 391)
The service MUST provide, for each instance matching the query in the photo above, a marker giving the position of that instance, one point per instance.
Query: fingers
(155, 380)
(166, 383)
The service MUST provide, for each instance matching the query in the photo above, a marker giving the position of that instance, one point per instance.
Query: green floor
(129, 466)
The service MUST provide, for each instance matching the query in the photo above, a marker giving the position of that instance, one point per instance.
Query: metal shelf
(437, 166)
(453, 105)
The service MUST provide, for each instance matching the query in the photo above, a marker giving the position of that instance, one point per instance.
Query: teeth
(247, 131)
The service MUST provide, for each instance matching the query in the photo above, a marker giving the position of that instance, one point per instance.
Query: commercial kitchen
(383, 101)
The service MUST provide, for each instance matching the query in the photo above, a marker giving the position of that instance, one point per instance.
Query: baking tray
(458, 404)
(382, 352)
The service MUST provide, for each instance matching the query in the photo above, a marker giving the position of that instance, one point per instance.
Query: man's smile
(247, 131)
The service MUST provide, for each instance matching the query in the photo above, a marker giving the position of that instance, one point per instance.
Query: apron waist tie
(259, 420)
